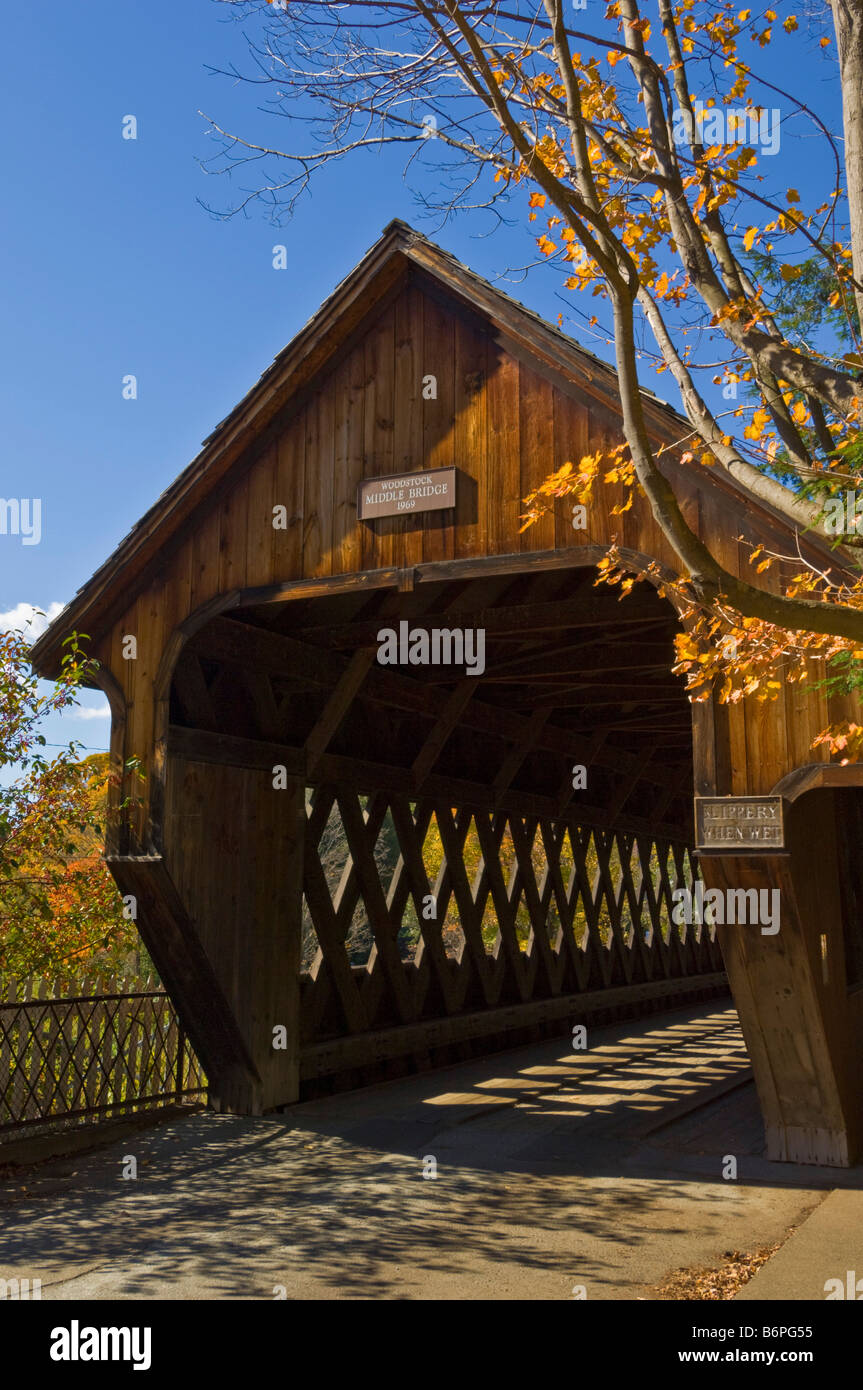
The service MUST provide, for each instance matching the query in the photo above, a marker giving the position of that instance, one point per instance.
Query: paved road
(555, 1169)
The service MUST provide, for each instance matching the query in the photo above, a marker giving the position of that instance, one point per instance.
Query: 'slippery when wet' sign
(739, 822)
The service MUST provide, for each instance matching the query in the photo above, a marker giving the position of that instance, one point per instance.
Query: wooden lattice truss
(523, 909)
(452, 867)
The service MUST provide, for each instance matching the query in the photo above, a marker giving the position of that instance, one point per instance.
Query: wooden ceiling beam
(647, 724)
(598, 648)
(552, 657)
(234, 643)
(589, 611)
(201, 745)
(569, 681)
(606, 692)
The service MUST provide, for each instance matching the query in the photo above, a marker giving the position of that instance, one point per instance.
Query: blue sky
(112, 267)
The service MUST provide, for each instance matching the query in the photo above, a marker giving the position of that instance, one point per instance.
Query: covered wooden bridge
(414, 786)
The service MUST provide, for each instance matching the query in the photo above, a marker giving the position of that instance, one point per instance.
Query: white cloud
(87, 712)
(27, 616)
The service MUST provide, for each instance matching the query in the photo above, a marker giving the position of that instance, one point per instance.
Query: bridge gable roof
(399, 257)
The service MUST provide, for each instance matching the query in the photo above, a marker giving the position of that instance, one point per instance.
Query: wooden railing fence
(89, 1048)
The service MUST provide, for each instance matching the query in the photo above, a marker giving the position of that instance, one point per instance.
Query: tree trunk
(848, 20)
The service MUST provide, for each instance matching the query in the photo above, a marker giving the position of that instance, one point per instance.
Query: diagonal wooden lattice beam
(502, 897)
(470, 914)
(512, 762)
(430, 929)
(336, 708)
(629, 786)
(618, 881)
(380, 921)
(450, 715)
(539, 946)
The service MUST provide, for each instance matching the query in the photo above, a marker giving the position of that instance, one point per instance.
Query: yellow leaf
(749, 238)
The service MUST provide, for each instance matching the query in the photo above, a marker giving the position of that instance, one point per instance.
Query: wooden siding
(505, 425)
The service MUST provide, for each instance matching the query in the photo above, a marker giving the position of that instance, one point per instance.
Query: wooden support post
(781, 1014)
(171, 937)
(234, 848)
(800, 1028)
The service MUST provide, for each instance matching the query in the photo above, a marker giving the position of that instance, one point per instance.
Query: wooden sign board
(732, 823)
(399, 494)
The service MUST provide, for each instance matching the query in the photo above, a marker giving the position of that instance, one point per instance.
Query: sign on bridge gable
(399, 494)
(739, 822)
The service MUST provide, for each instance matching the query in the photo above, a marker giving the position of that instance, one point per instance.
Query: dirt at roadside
(721, 1282)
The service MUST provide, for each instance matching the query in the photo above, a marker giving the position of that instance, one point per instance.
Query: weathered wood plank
(348, 444)
(378, 432)
(438, 354)
(503, 497)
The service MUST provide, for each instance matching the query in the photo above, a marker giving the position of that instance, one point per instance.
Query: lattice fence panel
(75, 1049)
(462, 910)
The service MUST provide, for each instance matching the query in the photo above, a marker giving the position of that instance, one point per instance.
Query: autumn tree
(60, 911)
(638, 138)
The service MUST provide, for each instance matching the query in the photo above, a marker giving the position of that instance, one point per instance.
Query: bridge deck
(555, 1168)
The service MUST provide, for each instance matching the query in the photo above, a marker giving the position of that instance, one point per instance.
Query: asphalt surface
(541, 1173)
